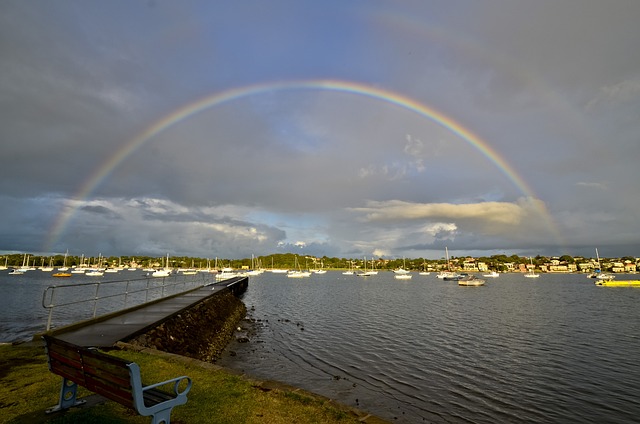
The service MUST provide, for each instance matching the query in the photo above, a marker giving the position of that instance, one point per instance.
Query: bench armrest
(176, 385)
(138, 393)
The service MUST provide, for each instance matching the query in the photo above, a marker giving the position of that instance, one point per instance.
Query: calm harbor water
(554, 349)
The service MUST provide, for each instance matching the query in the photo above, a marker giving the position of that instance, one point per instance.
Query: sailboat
(97, 270)
(21, 270)
(448, 274)
(598, 274)
(373, 270)
(64, 266)
(298, 273)
(81, 268)
(424, 269)
(25, 264)
(350, 270)
(47, 268)
(401, 270)
(277, 270)
(531, 273)
(164, 272)
(364, 273)
(402, 273)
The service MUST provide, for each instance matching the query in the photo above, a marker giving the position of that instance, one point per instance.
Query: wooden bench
(111, 377)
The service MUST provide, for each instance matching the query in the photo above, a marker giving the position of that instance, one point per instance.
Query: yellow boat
(618, 283)
(61, 274)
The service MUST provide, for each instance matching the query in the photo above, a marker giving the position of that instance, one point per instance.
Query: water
(557, 349)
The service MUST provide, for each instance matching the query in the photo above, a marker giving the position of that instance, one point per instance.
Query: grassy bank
(27, 388)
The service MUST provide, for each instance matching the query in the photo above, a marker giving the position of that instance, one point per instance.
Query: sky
(342, 128)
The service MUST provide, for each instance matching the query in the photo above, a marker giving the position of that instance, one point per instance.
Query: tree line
(282, 260)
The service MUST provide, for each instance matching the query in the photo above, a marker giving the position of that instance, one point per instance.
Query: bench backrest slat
(69, 372)
(65, 360)
(121, 394)
(108, 376)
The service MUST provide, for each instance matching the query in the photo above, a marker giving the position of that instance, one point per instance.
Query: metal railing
(132, 292)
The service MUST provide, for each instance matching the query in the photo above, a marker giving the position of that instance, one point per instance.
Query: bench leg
(162, 417)
(67, 397)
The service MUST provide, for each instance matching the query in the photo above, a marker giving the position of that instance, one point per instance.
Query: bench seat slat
(154, 396)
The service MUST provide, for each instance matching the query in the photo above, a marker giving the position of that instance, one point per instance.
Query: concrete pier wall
(202, 330)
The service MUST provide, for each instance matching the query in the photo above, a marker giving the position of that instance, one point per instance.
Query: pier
(143, 323)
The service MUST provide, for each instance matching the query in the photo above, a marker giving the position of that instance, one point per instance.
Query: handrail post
(95, 300)
(50, 307)
(146, 295)
(126, 293)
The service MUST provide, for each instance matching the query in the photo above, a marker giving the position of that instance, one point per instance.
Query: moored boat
(618, 283)
(454, 276)
(531, 273)
(470, 280)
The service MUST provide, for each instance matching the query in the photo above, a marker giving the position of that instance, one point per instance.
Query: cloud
(592, 185)
(624, 92)
(157, 226)
(508, 214)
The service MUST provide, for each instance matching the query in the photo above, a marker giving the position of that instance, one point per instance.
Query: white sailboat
(373, 270)
(297, 272)
(277, 270)
(320, 270)
(364, 273)
(424, 269)
(256, 269)
(96, 270)
(402, 273)
(164, 272)
(81, 268)
(448, 274)
(21, 270)
(64, 266)
(25, 264)
(598, 274)
(350, 270)
(531, 273)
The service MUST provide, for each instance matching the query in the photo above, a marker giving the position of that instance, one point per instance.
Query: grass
(27, 389)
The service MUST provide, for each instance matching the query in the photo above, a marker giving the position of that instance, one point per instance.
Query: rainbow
(217, 99)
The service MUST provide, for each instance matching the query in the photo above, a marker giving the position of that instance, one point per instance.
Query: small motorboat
(470, 280)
